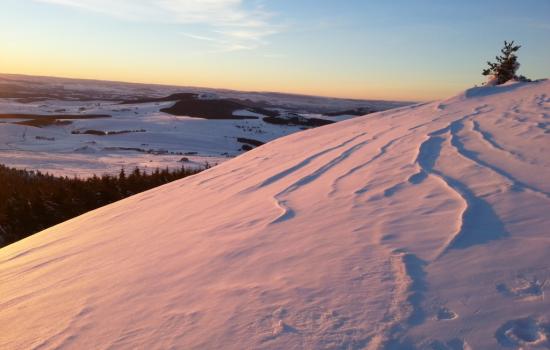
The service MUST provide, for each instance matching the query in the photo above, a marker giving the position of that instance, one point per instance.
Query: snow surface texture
(424, 227)
(161, 140)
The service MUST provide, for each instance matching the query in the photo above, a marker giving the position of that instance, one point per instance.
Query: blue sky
(411, 50)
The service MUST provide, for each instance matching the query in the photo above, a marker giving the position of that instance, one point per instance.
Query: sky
(369, 49)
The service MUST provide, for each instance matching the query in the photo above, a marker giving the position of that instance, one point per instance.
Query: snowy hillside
(424, 227)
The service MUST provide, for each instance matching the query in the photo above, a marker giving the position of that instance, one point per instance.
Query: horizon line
(216, 88)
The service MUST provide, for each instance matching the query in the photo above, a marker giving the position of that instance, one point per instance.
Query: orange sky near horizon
(306, 85)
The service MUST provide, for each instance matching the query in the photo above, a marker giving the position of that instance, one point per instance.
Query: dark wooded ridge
(31, 201)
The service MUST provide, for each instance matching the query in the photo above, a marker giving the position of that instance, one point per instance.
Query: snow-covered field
(57, 150)
(424, 227)
(160, 139)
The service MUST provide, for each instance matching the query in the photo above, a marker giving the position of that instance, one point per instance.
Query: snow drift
(421, 227)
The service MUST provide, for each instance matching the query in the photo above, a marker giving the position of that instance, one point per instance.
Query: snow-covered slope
(424, 227)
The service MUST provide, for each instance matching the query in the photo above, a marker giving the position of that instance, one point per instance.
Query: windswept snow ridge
(424, 227)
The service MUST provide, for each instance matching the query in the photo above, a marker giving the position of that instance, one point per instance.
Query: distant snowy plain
(160, 139)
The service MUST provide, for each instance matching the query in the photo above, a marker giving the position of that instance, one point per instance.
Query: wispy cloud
(200, 37)
(231, 24)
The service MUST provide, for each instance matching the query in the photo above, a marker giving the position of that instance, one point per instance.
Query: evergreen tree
(506, 65)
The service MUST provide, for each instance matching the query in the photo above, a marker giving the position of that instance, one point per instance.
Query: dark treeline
(31, 201)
